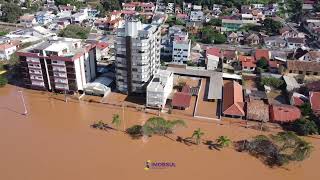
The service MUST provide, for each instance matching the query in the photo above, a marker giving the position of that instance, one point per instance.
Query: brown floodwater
(54, 141)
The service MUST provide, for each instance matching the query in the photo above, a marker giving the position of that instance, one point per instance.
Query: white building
(137, 55)
(159, 89)
(58, 65)
(212, 58)
(181, 48)
(80, 16)
(196, 16)
(7, 49)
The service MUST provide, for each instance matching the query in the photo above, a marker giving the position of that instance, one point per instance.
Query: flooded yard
(55, 141)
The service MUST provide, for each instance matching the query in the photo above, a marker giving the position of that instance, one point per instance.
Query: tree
(101, 10)
(215, 22)
(135, 131)
(75, 31)
(304, 127)
(10, 12)
(306, 109)
(111, 5)
(180, 22)
(223, 141)
(160, 126)
(271, 26)
(197, 134)
(276, 150)
(3, 81)
(139, 8)
(209, 35)
(262, 63)
(294, 8)
(116, 120)
(272, 81)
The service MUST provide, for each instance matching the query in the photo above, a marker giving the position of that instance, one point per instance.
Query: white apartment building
(58, 65)
(181, 48)
(159, 89)
(137, 55)
(196, 16)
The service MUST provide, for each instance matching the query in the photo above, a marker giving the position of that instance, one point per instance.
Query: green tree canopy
(262, 63)
(271, 26)
(209, 35)
(3, 81)
(160, 126)
(10, 12)
(75, 31)
(272, 81)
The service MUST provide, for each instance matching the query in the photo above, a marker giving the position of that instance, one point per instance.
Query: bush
(160, 126)
(272, 81)
(3, 81)
(75, 31)
(276, 150)
(135, 131)
(304, 127)
(262, 63)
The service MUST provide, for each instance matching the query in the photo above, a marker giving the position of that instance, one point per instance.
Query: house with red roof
(182, 17)
(298, 99)
(233, 104)
(315, 102)
(262, 53)
(281, 113)
(181, 100)
(212, 58)
(102, 50)
(7, 49)
(248, 63)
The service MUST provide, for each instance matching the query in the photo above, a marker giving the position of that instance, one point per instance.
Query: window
(54, 62)
(300, 72)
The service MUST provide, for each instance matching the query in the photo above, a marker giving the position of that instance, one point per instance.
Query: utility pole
(24, 104)
(124, 123)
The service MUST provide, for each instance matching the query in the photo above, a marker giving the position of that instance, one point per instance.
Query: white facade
(212, 62)
(137, 55)
(6, 50)
(181, 48)
(196, 16)
(69, 66)
(159, 89)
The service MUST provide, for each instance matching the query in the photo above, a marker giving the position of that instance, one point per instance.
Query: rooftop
(284, 113)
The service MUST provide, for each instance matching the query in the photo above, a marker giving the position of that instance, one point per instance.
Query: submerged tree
(116, 120)
(160, 126)
(277, 150)
(223, 141)
(197, 134)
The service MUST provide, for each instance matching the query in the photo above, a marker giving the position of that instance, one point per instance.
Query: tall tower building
(137, 55)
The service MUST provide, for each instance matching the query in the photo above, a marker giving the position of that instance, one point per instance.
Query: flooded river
(55, 142)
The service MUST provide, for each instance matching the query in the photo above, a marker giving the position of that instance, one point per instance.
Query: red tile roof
(102, 45)
(5, 46)
(213, 52)
(229, 53)
(262, 53)
(181, 100)
(297, 101)
(284, 113)
(315, 102)
(233, 99)
(273, 64)
(313, 86)
(186, 89)
(243, 58)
